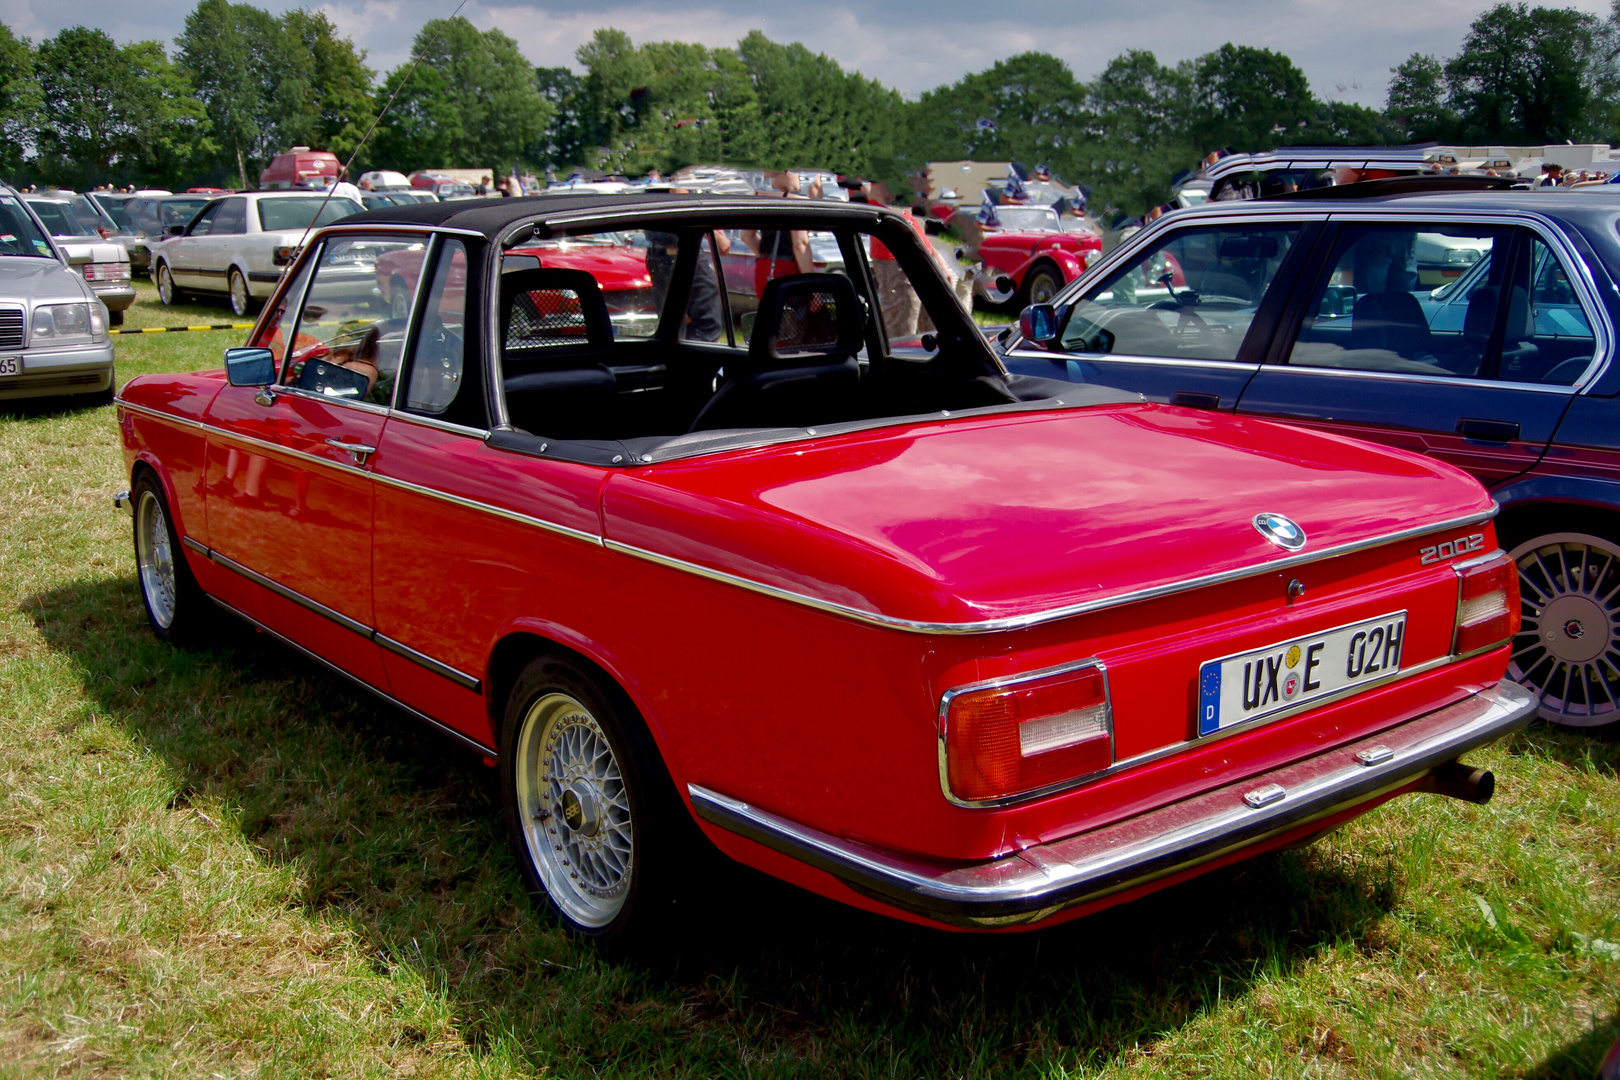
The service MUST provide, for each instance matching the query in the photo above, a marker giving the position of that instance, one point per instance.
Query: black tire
(105, 397)
(1040, 285)
(176, 606)
(557, 702)
(116, 318)
(169, 293)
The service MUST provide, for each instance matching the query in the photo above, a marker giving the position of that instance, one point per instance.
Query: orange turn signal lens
(1487, 603)
(1012, 737)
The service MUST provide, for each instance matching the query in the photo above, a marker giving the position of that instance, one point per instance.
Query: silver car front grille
(11, 328)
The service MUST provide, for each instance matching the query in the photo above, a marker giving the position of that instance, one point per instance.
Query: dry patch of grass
(225, 863)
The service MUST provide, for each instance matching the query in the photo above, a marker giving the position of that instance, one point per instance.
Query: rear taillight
(1487, 603)
(283, 256)
(1014, 736)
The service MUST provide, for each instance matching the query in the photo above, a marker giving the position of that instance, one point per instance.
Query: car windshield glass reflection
(60, 218)
(1192, 296)
(18, 233)
(180, 211)
(278, 215)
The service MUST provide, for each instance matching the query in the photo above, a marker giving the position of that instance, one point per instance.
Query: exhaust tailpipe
(1463, 782)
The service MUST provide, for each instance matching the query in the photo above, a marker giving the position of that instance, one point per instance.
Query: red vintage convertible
(965, 647)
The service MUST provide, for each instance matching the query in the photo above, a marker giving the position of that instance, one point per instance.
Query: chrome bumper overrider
(1032, 884)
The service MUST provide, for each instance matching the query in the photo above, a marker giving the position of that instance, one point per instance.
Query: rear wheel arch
(514, 651)
(1528, 519)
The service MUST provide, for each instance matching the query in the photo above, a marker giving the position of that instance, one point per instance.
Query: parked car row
(53, 325)
(911, 628)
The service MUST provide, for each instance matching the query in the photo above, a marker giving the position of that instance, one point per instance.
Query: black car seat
(800, 369)
(555, 339)
(1393, 322)
(1521, 358)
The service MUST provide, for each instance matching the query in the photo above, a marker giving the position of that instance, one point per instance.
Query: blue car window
(1384, 304)
(1192, 296)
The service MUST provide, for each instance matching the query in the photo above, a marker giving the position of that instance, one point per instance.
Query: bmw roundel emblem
(1280, 531)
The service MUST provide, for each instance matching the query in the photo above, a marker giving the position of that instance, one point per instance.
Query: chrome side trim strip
(157, 414)
(496, 511)
(460, 678)
(290, 594)
(438, 667)
(472, 744)
(1035, 883)
(1037, 618)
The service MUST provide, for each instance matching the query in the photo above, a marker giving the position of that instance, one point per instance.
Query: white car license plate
(1237, 689)
(10, 365)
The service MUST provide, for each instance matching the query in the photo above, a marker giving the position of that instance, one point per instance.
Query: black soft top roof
(493, 216)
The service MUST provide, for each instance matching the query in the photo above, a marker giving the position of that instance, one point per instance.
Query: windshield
(60, 218)
(278, 215)
(117, 210)
(181, 211)
(18, 233)
(1028, 218)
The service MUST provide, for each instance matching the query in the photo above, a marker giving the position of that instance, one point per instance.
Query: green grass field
(223, 863)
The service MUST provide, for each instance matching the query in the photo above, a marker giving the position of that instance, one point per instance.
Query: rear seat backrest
(555, 335)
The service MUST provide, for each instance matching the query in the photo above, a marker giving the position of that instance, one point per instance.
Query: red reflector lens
(1487, 603)
(1007, 740)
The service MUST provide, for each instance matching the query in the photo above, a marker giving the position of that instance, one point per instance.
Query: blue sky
(1345, 48)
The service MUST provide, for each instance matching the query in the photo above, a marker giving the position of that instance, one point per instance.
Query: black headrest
(553, 311)
(805, 320)
(1389, 320)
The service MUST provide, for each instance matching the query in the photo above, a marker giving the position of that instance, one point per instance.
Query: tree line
(241, 85)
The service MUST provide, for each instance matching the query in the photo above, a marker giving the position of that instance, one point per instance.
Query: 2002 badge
(1450, 549)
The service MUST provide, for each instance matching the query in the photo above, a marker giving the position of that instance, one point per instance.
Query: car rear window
(118, 211)
(304, 212)
(60, 219)
(181, 211)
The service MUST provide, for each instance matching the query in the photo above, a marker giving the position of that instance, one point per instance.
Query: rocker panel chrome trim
(460, 678)
(471, 743)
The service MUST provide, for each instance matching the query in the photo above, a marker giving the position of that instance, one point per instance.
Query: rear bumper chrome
(1040, 881)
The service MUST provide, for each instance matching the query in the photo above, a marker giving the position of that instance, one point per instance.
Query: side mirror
(250, 367)
(1038, 323)
(176, 230)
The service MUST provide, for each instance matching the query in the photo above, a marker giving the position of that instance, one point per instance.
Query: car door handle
(1194, 400)
(358, 451)
(1495, 431)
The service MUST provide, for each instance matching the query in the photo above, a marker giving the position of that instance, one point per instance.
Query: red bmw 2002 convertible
(968, 648)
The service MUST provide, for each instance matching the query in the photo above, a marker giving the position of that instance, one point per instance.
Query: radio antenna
(381, 113)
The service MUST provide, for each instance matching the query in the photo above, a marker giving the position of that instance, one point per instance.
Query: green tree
(1028, 108)
(1416, 104)
(19, 99)
(566, 136)
(115, 112)
(1247, 99)
(1522, 76)
(471, 102)
(1135, 133)
(237, 56)
(328, 91)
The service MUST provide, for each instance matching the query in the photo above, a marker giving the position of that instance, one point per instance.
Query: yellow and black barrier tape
(181, 329)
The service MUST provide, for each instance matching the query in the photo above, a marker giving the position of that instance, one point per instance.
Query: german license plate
(10, 365)
(1238, 689)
